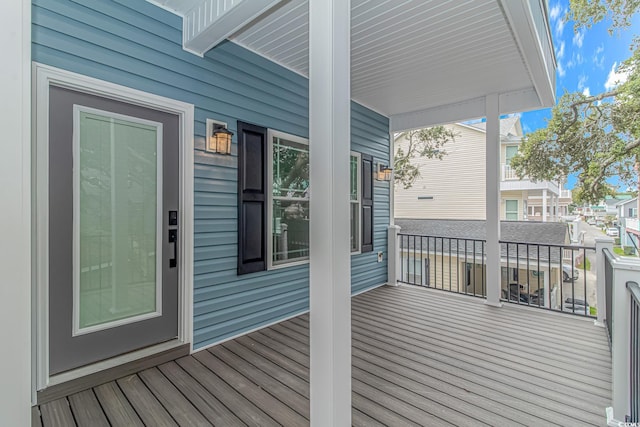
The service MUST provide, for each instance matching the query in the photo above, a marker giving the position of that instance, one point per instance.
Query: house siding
(136, 44)
(456, 183)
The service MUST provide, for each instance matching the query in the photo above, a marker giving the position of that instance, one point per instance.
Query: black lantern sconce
(218, 139)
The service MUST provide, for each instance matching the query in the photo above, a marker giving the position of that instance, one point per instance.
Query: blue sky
(587, 60)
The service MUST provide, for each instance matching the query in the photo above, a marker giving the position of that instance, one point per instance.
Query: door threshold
(83, 378)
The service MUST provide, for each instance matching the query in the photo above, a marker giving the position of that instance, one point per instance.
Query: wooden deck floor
(420, 357)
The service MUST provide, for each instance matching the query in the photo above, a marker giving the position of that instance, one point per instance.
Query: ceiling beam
(212, 21)
(510, 102)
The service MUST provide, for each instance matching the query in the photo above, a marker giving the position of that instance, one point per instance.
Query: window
(511, 210)
(288, 208)
(355, 211)
(273, 199)
(510, 151)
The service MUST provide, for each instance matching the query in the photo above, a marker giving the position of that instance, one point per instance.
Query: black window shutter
(367, 203)
(252, 198)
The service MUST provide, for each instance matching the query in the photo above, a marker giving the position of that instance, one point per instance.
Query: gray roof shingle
(456, 236)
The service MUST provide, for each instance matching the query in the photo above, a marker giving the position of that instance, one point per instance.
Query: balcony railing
(552, 277)
(508, 173)
(634, 363)
(621, 317)
(565, 194)
(632, 224)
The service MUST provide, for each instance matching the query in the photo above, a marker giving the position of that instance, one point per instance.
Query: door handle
(173, 238)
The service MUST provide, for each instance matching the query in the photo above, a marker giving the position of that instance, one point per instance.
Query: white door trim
(45, 76)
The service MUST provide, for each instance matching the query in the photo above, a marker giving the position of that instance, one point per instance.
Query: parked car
(591, 221)
(569, 273)
(612, 232)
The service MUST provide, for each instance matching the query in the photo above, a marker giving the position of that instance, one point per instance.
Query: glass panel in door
(118, 278)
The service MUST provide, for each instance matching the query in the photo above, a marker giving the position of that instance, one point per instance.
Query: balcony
(511, 182)
(420, 357)
(633, 225)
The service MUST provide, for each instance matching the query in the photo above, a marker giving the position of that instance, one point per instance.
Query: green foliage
(427, 143)
(594, 137)
(586, 13)
(585, 265)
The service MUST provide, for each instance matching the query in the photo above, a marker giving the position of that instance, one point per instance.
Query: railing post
(601, 244)
(393, 261)
(625, 270)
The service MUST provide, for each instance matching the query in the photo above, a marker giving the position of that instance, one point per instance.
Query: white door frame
(45, 76)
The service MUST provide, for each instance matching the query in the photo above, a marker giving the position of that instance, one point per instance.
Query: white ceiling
(407, 55)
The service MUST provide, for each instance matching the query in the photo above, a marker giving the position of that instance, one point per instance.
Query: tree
(595, 136)
(427, 143)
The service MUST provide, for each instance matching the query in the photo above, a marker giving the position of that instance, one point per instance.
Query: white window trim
(358, 157)
(270, 135)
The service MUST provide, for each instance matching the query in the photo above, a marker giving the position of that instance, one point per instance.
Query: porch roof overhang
(418, 62)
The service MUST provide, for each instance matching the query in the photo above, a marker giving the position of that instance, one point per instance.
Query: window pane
(354, 178)
(290, 168)
(510, 151)
(355, 226)
(118, 219)
(290, 230)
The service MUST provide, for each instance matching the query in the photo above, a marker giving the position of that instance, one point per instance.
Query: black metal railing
(553, 277)
(634, 356)
(448, 264)
(608, 293)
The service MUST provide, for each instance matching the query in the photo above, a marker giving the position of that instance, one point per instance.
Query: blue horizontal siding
(136, 44)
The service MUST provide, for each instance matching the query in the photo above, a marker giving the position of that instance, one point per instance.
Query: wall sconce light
(219, 138)
(383, 173)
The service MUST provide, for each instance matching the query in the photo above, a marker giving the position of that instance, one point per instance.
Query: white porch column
(626, 270)
(330, 263)
(601, 243)
(557, 207)
(15, 193)
(492, 111)
(544, 205)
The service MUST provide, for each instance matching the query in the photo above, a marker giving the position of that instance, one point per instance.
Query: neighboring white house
(628, 223)
(454, 188)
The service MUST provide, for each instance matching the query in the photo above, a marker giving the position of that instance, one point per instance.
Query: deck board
(420, 357)
(87, 410)
(116, 406)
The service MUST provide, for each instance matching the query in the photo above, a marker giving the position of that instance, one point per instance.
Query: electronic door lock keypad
(173, 217)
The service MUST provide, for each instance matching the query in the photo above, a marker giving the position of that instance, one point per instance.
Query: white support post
(492, 111)
(330, 262)
(15, 193)
(544, 205)
(392, 185)
(393, 243)
(601, 244)
(625, 270)
(557, 207)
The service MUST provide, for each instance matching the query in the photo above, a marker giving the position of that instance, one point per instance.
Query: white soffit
(410, 59)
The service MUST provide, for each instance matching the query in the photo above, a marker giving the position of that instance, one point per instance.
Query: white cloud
(560, 27)
(598, 57)
(576, 59)
(554, 12)
(615, 78)
(561, 71)
(578, 38)
(560, 51)
(582, 82)
(586, 91)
